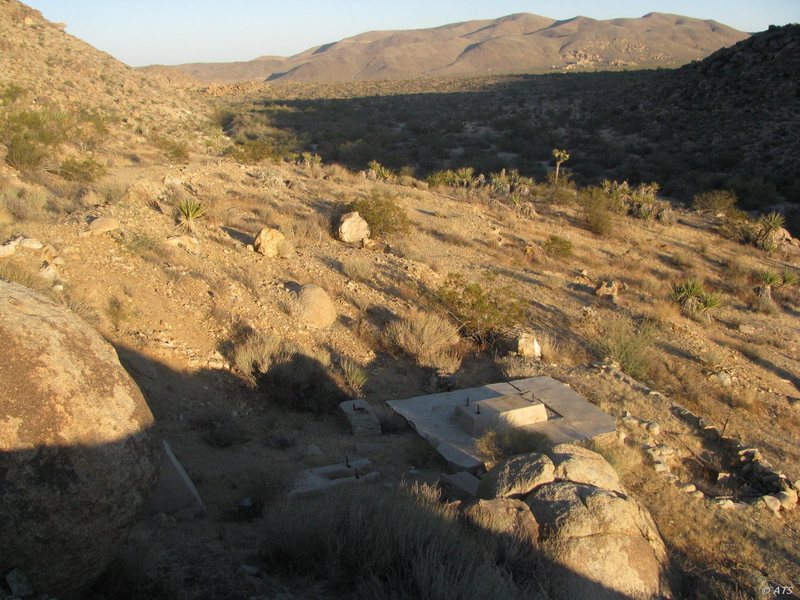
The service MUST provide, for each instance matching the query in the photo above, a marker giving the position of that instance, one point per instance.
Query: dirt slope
(515, 43)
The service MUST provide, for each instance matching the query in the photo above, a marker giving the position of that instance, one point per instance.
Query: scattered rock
(353, 229)
(31, 244)
(687, 487)
(268, 242)
(101, 225)
(593, 537)
(314, 307)
(7, 250)
(517, 477)
(772, 503)
(608, 290)
(747, 329)
(528, 346)
(697, 495)
(654, 428)
(579, 465)
(19, 584)
(788, 499)
(77, 461)
(187, 242)
(724, 378)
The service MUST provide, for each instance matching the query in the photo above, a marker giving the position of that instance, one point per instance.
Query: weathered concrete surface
(360, 417)
(433, 417)
(77, 461)
(464, 484)
(175, 493)
(315, 482)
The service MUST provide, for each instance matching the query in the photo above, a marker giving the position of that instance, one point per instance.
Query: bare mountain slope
(515, 43)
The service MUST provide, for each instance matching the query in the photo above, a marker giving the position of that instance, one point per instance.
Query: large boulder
(77, 459)
(353, 229)
(517, 477)
(598, 543)
(577, 464)
(314, 307)
(510, 527)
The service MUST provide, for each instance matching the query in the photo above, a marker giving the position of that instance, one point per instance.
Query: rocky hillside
(520, 43)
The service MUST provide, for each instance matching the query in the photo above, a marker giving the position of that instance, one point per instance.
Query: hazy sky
(141, 32)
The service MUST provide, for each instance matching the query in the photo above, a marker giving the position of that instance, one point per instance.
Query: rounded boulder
(77, 459)
(314, 307)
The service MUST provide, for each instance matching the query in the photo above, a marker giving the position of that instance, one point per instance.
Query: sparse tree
(561, 157)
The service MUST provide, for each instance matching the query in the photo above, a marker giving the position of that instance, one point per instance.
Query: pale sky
(142, 32)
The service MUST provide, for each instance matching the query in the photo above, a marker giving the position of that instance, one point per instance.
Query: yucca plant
(789, 277)
(190, 210)
(766, 228)
(694, 301)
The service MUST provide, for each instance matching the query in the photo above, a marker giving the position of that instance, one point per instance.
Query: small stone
(724, 378)
(31, 244)
(101, 225)
(7, 250)
(58, 288)
(660, 467)
(18, 582)
(654, 428)
(48, 273)
(621, 437)
(747, 329)
(788, 500)
(772, 503)
(268, 242)
(187, 242)
(528, 346)
(687, 487)
(724, 504)
(313, 450)
(697, 494)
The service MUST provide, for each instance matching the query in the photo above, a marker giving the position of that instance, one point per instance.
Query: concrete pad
(464, 484)
(512, 410)
(360, 417)
(315, 482)
(175, 494)
(570, 417)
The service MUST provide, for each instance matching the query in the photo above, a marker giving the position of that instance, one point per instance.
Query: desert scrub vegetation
(31, 136)
(174, 149)
(500, 444)
(641, 202)
(382, 212)
(378, 543)
(557, 247)
(354, 375)
(190, 210)
(598, 211)
(87, 170)
(430, 339)
(24, 203)
(484, 315)
(628, 346)
(284, 373)
(694, 300)
(715, 202)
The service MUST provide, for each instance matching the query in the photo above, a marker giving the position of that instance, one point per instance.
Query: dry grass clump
(14, 273)
(355, 377)
(499, 445)
(559, 351)
(378, 543)
(628, 346)
(357, 268)
(557, 248)
(428, 338)
(746, 399)
(24, 204)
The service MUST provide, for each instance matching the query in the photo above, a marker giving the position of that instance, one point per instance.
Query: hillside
(521, 43)
(680, 323)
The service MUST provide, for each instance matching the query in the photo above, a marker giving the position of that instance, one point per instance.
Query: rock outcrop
(77, 461)
(353, 229)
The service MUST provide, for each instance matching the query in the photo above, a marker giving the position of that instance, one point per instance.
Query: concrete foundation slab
(360, 417)
(315, 482)
(175, 494)
(462, 484)
(436, 418)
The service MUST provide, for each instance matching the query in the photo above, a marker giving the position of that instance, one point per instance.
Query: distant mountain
(521, 43)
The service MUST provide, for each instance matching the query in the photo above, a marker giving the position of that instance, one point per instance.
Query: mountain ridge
(517, 43)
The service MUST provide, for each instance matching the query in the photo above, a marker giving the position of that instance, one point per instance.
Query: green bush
(557, 247)
(484, 315)
(30, 135)
(384, 544)
(174, 150)
(597, 211)
(383, 214)
(379, 171)
(84, 171)
(628, 346)
(715, 202)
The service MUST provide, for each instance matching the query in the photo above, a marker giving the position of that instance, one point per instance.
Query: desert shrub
(557, 247)
(511, 182)
(84, 171)
(597, 211)
(355, 377)
(29, 136)
(378, 543)
(25, 204)
(383, 214)
(767, 227)
(715, 202)
(14, 273)
(357, 268)
(10, 93)
(428, 338)
(641, 202)
(461, 178)
(484, 315)
(499, 445)
(175, 150)
(220, 430)
(628, 346)
(694, 300)
(252, 351)
(117, 312)
(379, 171)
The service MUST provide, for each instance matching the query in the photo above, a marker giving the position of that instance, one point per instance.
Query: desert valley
(500, 309)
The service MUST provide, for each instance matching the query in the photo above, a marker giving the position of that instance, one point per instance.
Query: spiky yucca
(190, 210)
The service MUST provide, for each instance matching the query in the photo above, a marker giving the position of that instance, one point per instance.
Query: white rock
(187, 242)
(7, 250)
(772, 503)
(528, 346)
(353, 228)
(268, 242)
(31, 244)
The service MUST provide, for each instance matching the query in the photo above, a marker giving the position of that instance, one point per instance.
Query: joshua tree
(561, 157)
